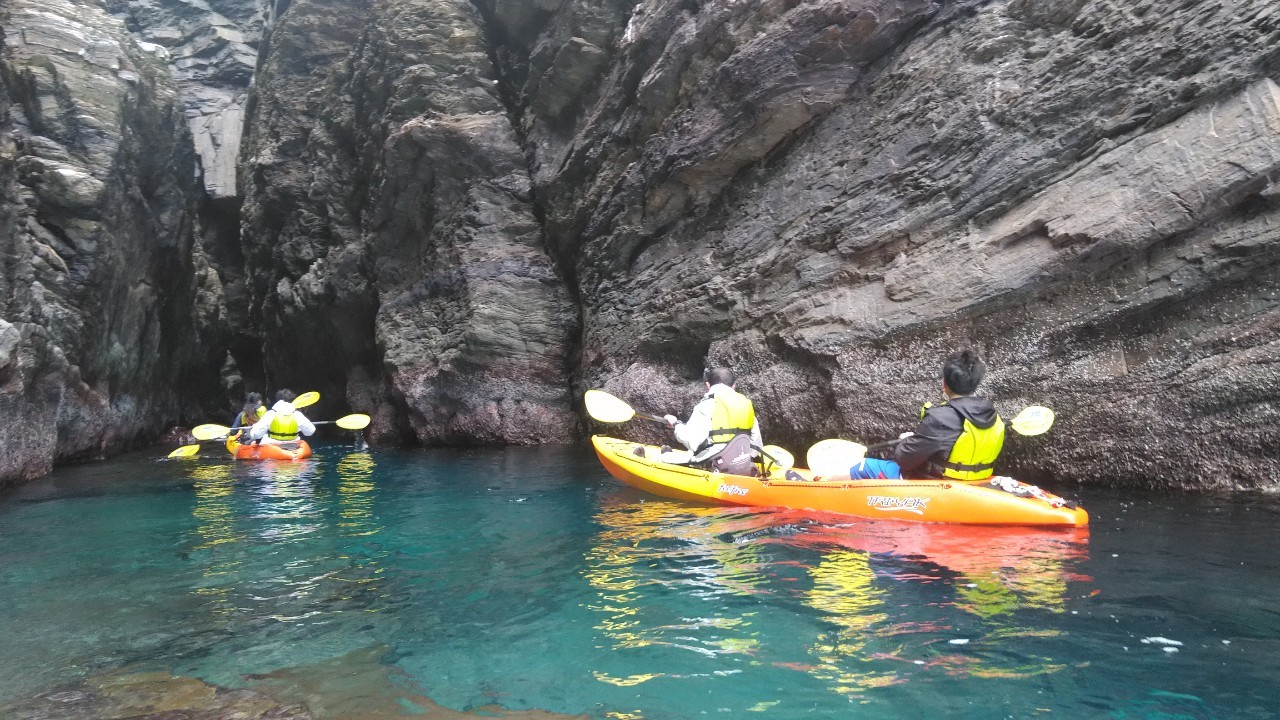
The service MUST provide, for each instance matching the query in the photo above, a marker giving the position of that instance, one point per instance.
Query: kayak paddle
(780, 457)
(211, 431)
(607, 408)
(834, 456)
(185, 451)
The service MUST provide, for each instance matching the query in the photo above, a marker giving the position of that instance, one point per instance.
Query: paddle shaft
(660, 419)
(890, 443)
(655, 418)
(316, 422)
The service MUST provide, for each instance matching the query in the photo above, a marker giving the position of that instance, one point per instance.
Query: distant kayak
(940, 501)
(295, 450)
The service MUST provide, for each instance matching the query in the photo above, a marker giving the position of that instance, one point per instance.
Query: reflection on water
(883, 600)
(247, 513)
(215, 515)
(445, 583)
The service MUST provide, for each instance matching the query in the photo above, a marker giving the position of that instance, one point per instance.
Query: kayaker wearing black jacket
(960, 438)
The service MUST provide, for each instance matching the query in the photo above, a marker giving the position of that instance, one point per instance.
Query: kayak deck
(941, 501)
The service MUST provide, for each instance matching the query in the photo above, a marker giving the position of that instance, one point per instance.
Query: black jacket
(938, 431)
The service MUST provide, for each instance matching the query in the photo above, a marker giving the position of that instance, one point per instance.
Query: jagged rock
(213, 49)
(96, 250)
(456, 211)
(392, 228)
(832, 195)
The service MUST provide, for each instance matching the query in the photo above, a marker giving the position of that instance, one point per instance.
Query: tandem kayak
(939, 501)
(296, 450)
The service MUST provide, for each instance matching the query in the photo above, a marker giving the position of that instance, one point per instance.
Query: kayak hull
(298, 450)
(938, 501)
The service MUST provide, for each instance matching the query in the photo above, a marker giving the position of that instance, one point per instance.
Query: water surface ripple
(434, 583)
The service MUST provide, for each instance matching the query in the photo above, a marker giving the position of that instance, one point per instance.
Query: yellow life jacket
(732, 415)
(283, 427)
(974, 455)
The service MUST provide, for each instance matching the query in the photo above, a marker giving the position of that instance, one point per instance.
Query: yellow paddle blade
(185, 451)
(1033, 420)
(834, 456)
(606, 408)
(783, 459)
(306, 399)
(209, 431)
(352, 422)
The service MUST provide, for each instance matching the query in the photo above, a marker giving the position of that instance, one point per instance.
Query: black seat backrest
(737, 457)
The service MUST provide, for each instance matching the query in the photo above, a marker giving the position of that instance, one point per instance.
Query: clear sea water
(528, 579)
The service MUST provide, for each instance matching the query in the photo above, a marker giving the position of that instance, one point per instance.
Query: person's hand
(672, 420)
(905, 435)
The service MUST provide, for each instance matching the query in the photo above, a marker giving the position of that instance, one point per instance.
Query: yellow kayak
(941, 501)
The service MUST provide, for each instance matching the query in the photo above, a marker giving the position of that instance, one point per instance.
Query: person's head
(285, 395)
(719, 376)
(962, 372)
(253, 401)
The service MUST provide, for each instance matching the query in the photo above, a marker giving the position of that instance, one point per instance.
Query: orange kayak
(298, 450)
(939, 501)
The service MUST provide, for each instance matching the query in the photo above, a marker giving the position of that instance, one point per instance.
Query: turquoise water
(530, 579)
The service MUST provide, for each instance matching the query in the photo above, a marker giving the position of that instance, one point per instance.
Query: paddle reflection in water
(215, 515)
(620, 568)
(359, 523)
(855, 606)
(281, 546)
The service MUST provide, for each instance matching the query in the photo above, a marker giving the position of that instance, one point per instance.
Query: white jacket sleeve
(756, 437)
(305, 426)
(693, 433)
(259, 429)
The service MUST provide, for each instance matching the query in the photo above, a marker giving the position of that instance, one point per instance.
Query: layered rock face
(457, 215)
(107, 307)
(392, 242)
(831, 195)
(391, 235)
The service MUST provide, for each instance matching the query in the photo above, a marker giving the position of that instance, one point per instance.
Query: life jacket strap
(715, 435)
(963, 467)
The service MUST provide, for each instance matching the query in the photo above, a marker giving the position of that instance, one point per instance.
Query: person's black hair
(962, 372)
(286, 395)
(253, 400)
(720, 376)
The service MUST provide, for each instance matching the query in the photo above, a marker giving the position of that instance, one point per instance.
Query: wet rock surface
(107, 303)
(360, 685)
(831, 196)
(392, 240)
(459, 215)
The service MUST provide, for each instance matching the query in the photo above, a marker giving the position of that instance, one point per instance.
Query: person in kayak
(251, 411)
(959, 438)
(249, 414)
(282, 423)
(722, 431)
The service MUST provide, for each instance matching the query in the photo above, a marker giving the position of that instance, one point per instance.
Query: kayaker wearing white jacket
(282, 422)
(721, 415)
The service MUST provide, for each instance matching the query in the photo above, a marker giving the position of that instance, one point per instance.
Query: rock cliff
(393, 243)
(830, 195)
(108, 309)
(458, 215)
